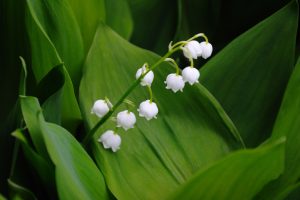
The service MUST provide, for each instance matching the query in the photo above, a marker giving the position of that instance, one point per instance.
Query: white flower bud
(191, 75)
(126, 120)
(147, 79)
(206, 49)
(110, 139)
(192, 49)
(148, 110)
(101, 107)
(174, 82)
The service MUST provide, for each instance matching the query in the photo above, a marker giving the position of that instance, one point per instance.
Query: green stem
(150, 93)
(91, 133)
(176, 66)
(191, 61)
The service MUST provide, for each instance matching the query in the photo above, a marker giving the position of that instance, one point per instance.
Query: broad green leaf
(249, 76)
(156, 156)
(45, 54)
(154, 23)
(238, 176)
(118, 17)
(288, 124)
(77, 177)
(54, 38)
(19, 192)
(88, 15)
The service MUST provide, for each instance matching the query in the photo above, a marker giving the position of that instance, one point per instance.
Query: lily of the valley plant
(148, 109)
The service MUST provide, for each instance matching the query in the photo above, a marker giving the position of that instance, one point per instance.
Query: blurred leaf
(191, 131)
(249, 76)
(88, 15)
(2, 197)
(13, 121)
(288, 124)
(293, 192)
(154, 23)
(42, 167)
(77, 176)
(236, 17)
(238, 176)
(13, 44)
(118, 17)
(54, 38)
(19, 192)
(198, 17)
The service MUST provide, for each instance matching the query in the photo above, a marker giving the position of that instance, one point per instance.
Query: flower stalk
(92, 132)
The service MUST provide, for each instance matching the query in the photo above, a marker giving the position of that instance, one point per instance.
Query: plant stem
(91, 133)
(150, 93)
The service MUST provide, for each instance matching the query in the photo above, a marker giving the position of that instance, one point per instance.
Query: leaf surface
(156, 156)
(249, 76)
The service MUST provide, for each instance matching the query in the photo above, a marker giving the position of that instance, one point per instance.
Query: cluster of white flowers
(125, 119)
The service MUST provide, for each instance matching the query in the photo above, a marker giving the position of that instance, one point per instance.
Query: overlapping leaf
(77, 177)
(249, 76)
(54, 38)
(46, 54)
(288, 124)
(118, 17)
(156, 156)
(154, 23)
(88, 15)
(238, 176)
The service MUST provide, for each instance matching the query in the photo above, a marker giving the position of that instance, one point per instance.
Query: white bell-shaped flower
(110, 139)
(101, 107)
(191, 75)
(192, 49)
(206, 49)
(148, 110)
(126, 120)
(147, 79)
(174, 82)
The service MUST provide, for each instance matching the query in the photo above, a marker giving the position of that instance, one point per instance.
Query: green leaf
(2, 197)
(293, 192)
(191, 131)
(77, 177)
(118, 17)
(54, 38)
(59, 101)
(238, 176)
(12, 121)
(46, 55)
(19, 192)
(288, 124)
(88, 15)
(154, 23)
(29, 111)
(43, 167)
(249, 76)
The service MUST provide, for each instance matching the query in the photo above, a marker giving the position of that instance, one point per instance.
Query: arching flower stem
(175, 64)
(181, 43)
(150, 93)
(91, 133)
